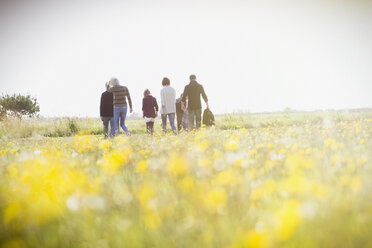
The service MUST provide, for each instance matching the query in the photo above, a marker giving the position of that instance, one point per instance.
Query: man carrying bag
(192, 92)
(208, 118)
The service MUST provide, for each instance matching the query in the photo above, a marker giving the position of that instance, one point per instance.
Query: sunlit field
(270, 180)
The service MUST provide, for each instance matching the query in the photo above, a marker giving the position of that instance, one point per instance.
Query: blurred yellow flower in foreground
(152, 220)
(114, 160)
(105, 145)
(256, 240)
(232, 144)
(142, 166)
(228, 177)
(177, 166)
(265, 186)
(287, 219)
(38, 190)
(215, 200)
(144, 194)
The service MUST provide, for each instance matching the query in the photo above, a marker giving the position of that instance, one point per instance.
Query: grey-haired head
(114, 81)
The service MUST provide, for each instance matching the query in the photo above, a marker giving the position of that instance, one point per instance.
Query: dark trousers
(179, 120)
(106, 121)
(193, 114)
(150, 127)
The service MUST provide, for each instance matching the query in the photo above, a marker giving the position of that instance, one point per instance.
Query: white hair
(114, 81)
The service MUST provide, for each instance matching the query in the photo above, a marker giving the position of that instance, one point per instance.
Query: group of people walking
(187, 108)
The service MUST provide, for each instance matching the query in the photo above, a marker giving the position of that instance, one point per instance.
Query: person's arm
(175, 100)
(143, 107)
(184, 95)
(162, 96)
(204, 96)
(101, 108)
(129, 101)
(156, 107)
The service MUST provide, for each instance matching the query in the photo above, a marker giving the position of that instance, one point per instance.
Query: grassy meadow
(253, 180)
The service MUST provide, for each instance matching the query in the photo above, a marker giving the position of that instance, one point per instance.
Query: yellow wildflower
(114, 160)
(215, 200)
(142, 166)
(177, 166)
(288, 218)
(256, 240)
(232, 144)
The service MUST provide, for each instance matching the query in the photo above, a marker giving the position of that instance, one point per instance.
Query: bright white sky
(249, 55)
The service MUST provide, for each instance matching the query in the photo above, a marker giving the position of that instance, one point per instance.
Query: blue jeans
(190, 114)
(106, 121)
(171, 121)
(120, 113)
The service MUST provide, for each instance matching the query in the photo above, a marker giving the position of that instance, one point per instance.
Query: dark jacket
(149, 106)
(192, 92)
(107, 104)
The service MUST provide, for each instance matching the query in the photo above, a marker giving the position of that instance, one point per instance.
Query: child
(179, 113)
(150, 110)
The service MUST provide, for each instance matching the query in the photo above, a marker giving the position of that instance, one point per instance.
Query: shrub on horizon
(18, 106)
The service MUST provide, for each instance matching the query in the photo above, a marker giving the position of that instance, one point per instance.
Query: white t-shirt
(168, 100)
(148, 119)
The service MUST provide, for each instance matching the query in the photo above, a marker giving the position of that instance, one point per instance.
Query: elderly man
(121, 93)
(107, 112)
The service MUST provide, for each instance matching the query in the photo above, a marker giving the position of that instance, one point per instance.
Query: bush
(18, 106)
(73, 126)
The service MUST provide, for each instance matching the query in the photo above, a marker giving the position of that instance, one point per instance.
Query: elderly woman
(121, 93)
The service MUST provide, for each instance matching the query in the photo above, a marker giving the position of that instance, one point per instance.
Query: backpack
(208, 118)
